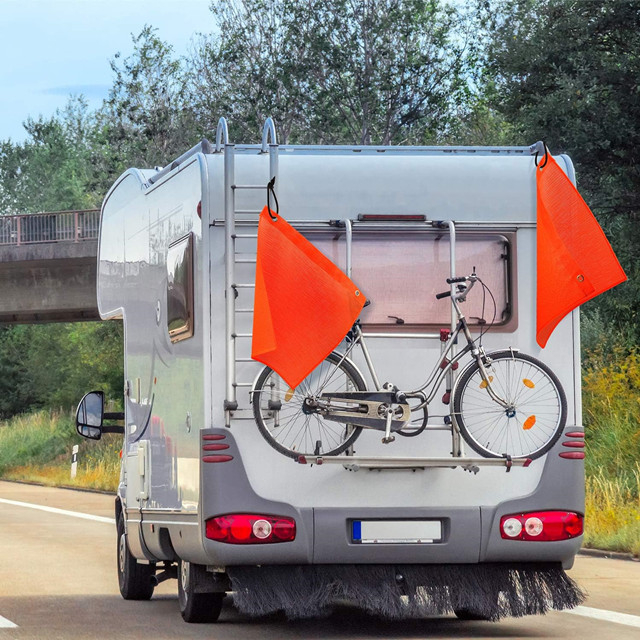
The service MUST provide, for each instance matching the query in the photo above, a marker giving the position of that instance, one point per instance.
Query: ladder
(268, 146)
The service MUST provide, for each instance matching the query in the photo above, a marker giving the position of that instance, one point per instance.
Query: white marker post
(74, 461)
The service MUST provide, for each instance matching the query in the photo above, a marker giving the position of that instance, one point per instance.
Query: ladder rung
(247, 212)
(243, 384)
(245, 260)
(242, 335)
(248, 186)
(245, 235)
(244, 310)
(252, 360)
(243, 285)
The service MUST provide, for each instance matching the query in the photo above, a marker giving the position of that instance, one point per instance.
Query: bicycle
(505, 403)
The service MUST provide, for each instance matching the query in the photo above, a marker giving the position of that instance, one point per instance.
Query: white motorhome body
(173, 245)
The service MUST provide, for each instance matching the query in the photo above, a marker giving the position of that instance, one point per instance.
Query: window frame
(186, 330)
(507, 324)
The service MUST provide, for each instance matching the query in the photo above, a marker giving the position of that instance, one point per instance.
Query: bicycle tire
(538, 411)
(299, 433)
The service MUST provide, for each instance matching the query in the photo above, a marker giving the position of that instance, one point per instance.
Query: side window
(401, 273)
(180, 289)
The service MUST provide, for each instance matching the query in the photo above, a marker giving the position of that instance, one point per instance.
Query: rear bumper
(470, 534)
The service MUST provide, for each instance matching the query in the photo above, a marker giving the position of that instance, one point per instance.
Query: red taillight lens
(542, 526)
(249, 528)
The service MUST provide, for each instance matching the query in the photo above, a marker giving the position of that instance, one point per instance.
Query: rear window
(401, 273)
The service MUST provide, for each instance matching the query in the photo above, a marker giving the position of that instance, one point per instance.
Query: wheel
(293, 429)
(536, 412)
(134, 579)
(194, 606)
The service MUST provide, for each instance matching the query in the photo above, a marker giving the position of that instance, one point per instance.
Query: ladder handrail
(268, 133)
(270, 146)
(222, 134)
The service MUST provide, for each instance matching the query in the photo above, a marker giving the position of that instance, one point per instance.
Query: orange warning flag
(575, 260)
(304, 304)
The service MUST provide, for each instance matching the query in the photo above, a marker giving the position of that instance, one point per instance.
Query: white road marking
(64, 512)
(608, 616)
(7, 624)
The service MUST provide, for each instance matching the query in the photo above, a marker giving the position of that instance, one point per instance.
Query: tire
(535, 419)
(289, 429)
(194, 606)
(134, 579)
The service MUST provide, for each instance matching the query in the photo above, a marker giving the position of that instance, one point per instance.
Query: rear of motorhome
(416, 516)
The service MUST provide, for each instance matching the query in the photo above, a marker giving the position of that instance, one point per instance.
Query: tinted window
(180, 289)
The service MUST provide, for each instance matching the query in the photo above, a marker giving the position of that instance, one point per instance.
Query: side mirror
(90, 415)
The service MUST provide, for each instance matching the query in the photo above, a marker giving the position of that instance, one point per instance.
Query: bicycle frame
(439, 372)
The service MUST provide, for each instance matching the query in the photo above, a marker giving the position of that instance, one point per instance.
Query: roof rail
(204, 146)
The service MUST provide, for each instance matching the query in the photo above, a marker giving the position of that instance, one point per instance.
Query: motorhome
(438, 521)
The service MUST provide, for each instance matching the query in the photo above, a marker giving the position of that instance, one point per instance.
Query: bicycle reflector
(249, 528)
(542, 526)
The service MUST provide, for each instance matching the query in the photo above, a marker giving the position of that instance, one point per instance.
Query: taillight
(249, 528)
(541, 526)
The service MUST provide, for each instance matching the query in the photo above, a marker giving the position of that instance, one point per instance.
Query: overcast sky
(53, 48)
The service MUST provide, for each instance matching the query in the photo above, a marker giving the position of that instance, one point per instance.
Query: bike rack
(379, 463)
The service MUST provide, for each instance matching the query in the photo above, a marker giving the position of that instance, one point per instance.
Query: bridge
(48, 267)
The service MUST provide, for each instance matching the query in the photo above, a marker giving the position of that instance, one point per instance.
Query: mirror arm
(112, 429)
(114, 416)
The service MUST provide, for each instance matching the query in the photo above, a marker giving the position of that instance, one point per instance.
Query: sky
(51, 49)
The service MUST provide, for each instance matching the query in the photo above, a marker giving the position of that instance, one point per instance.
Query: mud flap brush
(489, 591)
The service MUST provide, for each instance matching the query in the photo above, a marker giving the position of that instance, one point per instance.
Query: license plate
(396, 531)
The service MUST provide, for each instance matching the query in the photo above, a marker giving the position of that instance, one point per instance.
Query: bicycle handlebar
(462, 291)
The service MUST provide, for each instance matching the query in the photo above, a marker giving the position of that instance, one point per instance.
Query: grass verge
(613, 513)
(37, 448)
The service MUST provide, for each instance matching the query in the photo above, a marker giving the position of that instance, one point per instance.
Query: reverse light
(543, 526)
(512, 527)
(247, 528)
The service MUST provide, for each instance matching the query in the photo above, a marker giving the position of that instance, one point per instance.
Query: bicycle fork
(487, 380)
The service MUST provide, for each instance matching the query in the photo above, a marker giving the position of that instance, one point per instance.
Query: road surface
(58, 581)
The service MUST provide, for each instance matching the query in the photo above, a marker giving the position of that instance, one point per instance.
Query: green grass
(37, 448)
(613, 513)
(611, 413)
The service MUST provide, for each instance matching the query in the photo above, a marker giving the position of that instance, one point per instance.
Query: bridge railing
(60, 226)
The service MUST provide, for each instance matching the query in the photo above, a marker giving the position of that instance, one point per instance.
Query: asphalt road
(58, 580)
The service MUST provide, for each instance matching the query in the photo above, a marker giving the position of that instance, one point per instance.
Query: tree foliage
(331, 71)
(568, 71)
(339, 71)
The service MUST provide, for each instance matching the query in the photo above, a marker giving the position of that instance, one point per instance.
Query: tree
(568, 71)
(331, 71)
(144, 121)
(51, 170)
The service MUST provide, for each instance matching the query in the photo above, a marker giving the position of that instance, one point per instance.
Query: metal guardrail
(59, 226)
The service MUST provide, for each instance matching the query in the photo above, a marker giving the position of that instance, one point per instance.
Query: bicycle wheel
(289, 426)
(532, 422)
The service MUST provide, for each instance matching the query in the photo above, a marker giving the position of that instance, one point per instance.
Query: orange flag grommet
(304, 304)
(575, 260)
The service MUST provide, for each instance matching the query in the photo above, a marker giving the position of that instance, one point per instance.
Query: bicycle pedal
(388, 440)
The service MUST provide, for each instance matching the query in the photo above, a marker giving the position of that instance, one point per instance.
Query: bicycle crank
(370, 409)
